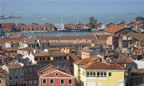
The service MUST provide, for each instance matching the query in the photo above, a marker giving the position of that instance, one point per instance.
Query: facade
(137, 77)
(128, 64)
(87, 53)
(3, 76)
(30, 75)
(50, 76)
(26, 51)
(15, 74)
(113, 41)
(8, 27)
(59, 59)
(35, 27)
(95, 73)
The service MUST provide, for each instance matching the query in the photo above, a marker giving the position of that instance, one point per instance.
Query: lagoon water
(70, 11)
(55, 34)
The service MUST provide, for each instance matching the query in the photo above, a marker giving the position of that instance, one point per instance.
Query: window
(35, 59)
(62, 81)
(43, 59)
(44, 81)
(16, 77)
(70, 81)
(30, 69)
(10, 71)
(101, 74)
(10, 78)
(40, 58)
(56, 74)
(104, 74)
(87, 74)
(51, 81)
(30, 83)
(94, 74)
(110, 74)
(91, 74)
(98, 74)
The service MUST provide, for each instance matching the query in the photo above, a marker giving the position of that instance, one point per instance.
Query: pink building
(50, 76)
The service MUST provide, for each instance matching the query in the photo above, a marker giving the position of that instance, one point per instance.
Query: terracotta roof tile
(73, 56)
(14, 66)
(138, 50)
(49, 54)
(27, 49)
(85, 61)
(100, 65)
(140, 71)
(123, 60)
(114, 29)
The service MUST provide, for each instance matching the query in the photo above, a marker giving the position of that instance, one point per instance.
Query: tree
(92, 21)
(139, 18)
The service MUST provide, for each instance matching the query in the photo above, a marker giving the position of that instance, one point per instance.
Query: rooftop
(114, 29)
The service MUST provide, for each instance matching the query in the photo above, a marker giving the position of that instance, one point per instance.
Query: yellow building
(89, 72)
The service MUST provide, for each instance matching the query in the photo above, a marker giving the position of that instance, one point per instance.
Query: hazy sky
(71, 6)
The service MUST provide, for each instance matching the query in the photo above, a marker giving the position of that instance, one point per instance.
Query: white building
(60, 27)
(140, 64)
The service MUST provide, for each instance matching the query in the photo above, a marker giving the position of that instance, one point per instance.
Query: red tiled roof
(85, 61)
(140, 71)
(123, 60)
(49, 54)
(7, 25)
(114, 29)
(100, 65)
(138, 50)
(27, 49)
(14, 66)
(73, 56)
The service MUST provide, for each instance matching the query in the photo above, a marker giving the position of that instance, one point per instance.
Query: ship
(9, 17)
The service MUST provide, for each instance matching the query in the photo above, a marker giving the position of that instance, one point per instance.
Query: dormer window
(56, 74)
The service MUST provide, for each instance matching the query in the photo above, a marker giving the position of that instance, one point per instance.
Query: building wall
(57, 82)
(3, 82)
(56, 79)
(117, 76)
(16, 73)
(113, 80)
(22, 52)
(85, 55)
(30, 75)
(76, 72)
(7, 45)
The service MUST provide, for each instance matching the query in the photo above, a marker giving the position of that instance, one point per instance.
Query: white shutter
(91, 83)
(99, 83)
(121, 83)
